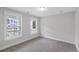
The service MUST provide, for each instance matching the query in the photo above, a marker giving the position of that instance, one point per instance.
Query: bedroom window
(33, 26)
(13, 27)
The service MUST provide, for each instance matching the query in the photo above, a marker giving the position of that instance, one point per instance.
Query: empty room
(39, 29)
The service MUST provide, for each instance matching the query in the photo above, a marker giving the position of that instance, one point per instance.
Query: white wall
(59, 27)
(25, 29)
(77, 29)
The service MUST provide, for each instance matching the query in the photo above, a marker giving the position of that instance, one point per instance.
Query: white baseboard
(29, 38)
(77, 47)
(57, 39)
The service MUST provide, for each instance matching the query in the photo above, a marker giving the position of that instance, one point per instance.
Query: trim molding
(7, 46)
(76, 45)
(57, 39)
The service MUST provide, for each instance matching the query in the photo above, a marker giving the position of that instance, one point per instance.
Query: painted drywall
(77, 29)
(25, 28)
(59, 27)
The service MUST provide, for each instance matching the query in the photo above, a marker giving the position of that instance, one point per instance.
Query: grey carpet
(42, 45)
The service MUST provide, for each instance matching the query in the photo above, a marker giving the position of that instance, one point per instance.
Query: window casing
(33, 26)
(13, 26)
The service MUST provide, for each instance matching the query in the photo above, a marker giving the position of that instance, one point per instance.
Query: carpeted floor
(42, 45)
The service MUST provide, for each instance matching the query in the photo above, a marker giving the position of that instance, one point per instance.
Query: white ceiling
(49, 10)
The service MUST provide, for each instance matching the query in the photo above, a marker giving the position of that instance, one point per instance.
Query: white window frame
(33, 30)
(7, 14)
